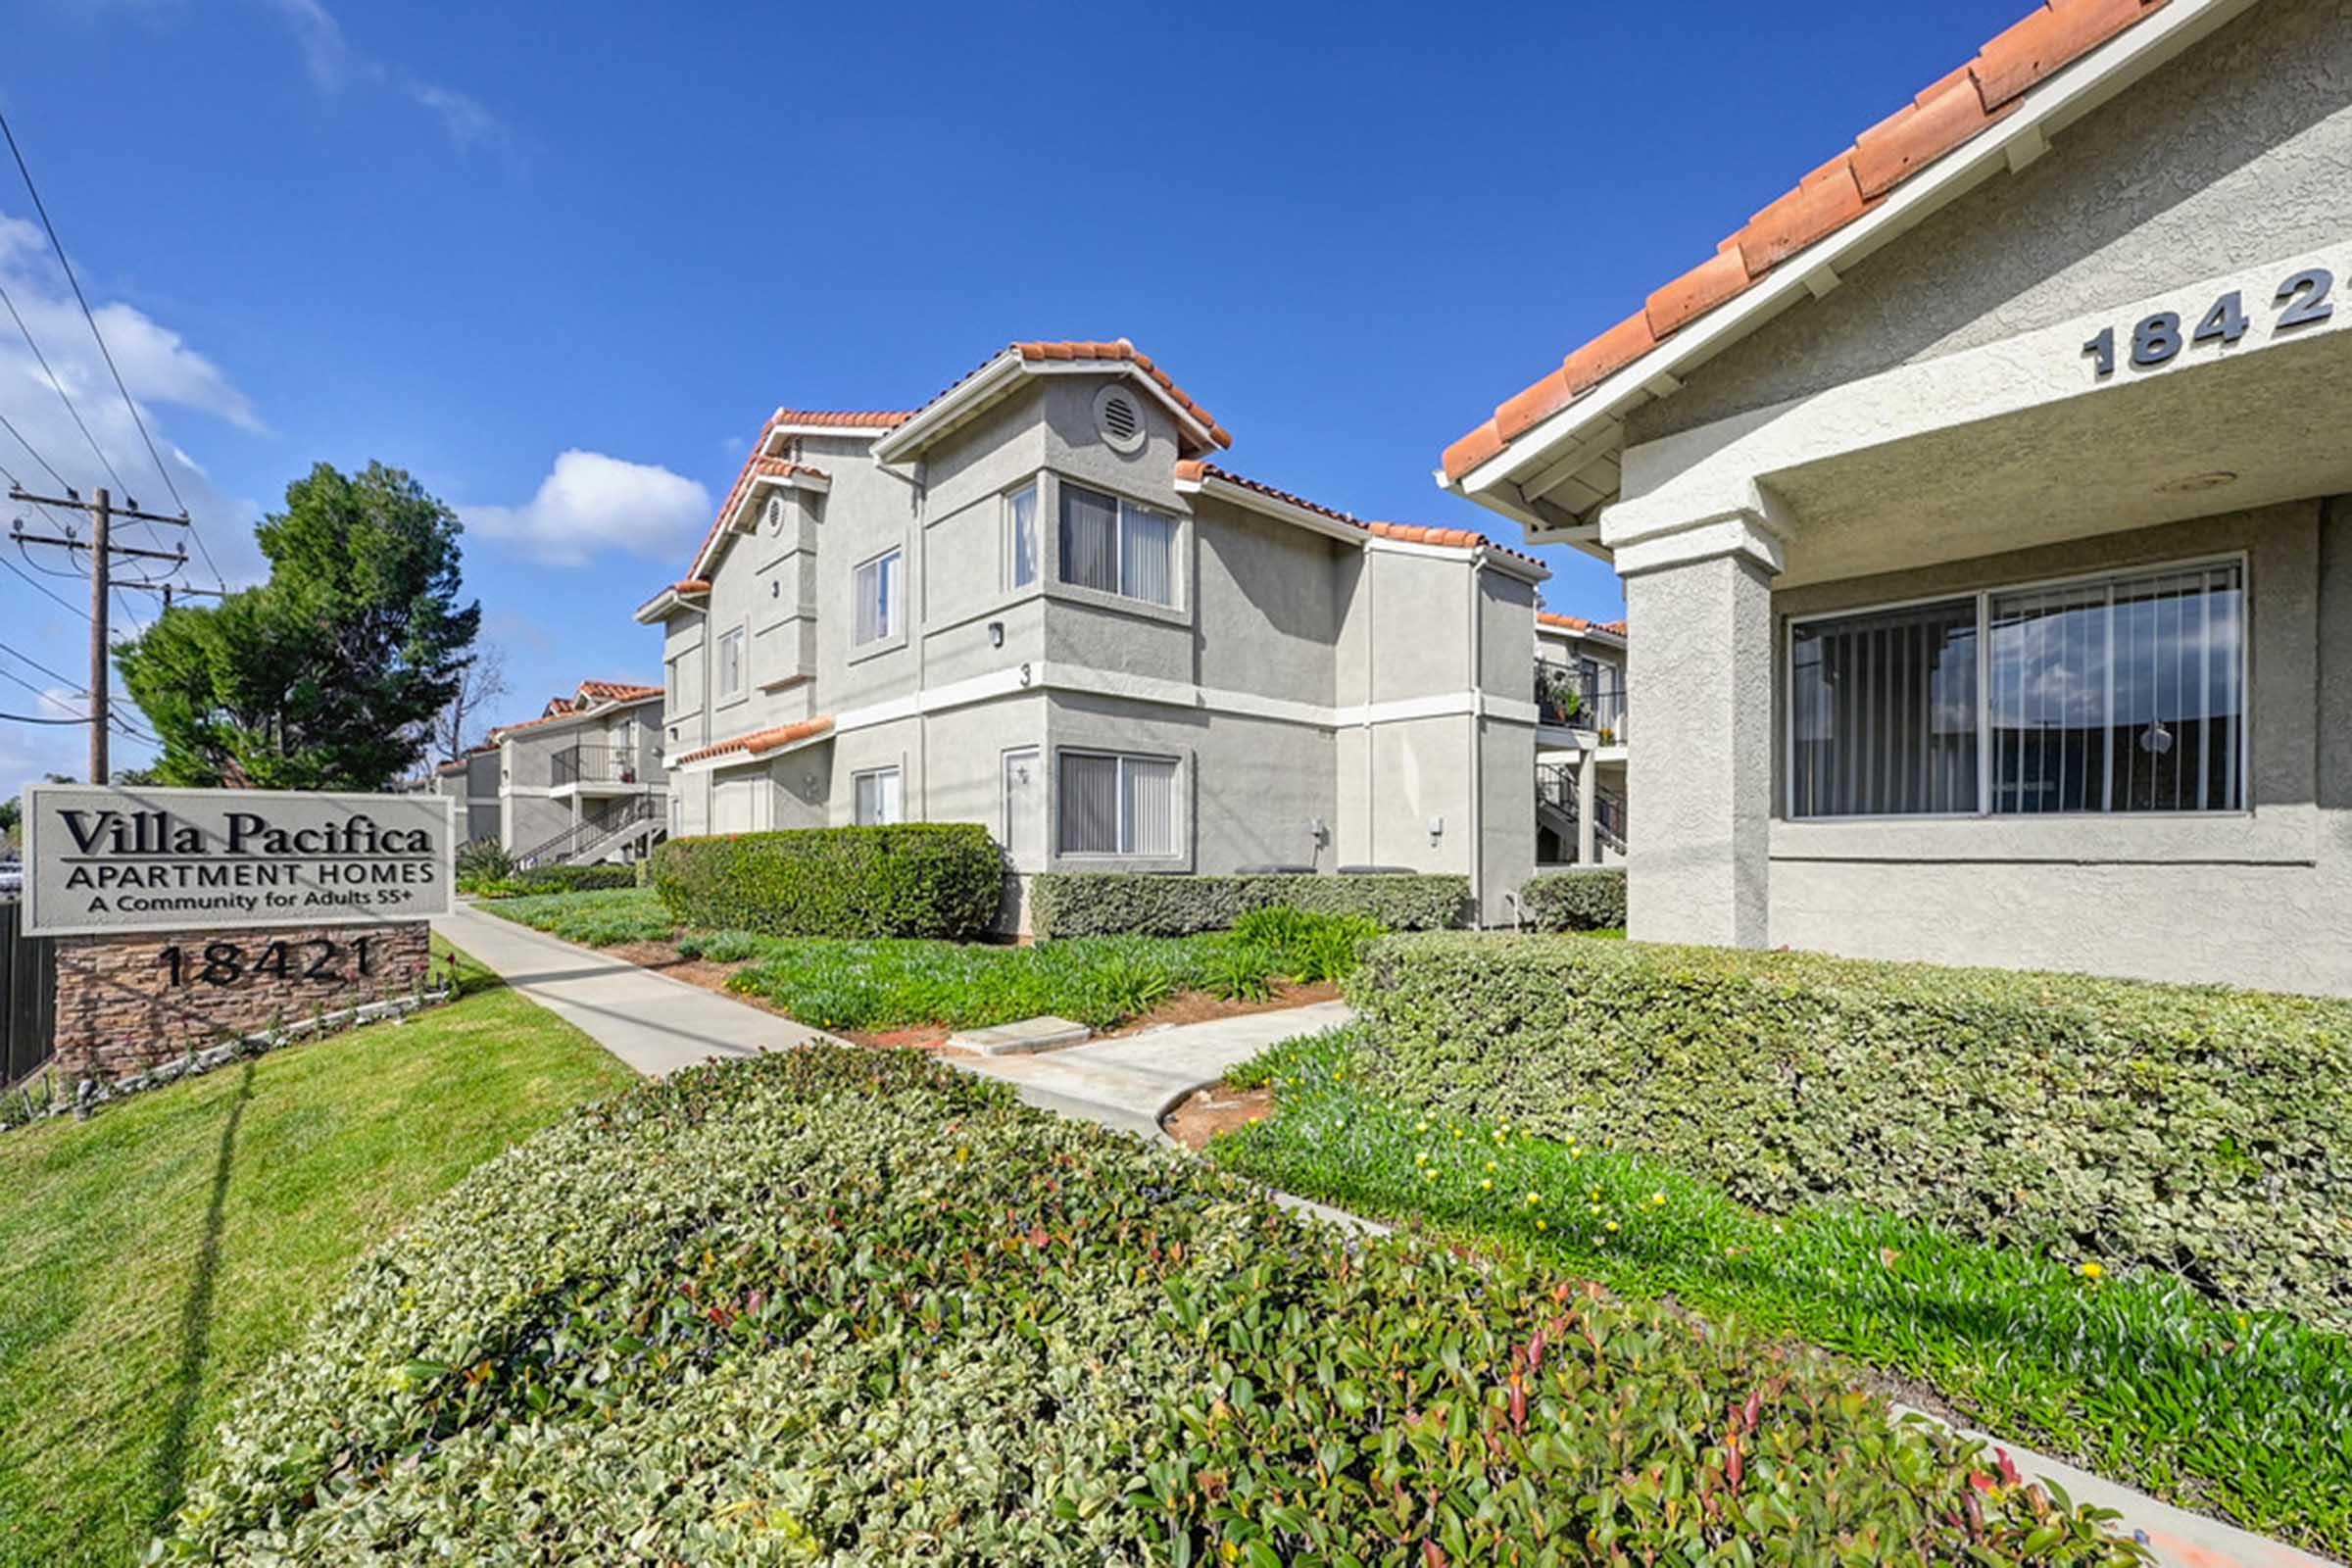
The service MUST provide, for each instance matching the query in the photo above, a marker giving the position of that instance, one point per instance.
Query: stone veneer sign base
(130, 1004)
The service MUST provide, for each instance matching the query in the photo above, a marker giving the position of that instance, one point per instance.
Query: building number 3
(2303, 298)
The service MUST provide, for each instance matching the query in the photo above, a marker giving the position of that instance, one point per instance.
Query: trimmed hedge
(1087, 903)
(1589, 899)
(835, 1305)
(910, 879)
(2201, 1131)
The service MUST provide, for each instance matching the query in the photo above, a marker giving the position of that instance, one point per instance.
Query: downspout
(1477, 751)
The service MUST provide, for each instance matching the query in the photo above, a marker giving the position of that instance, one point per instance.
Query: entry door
(1025, 810)
(731, 806)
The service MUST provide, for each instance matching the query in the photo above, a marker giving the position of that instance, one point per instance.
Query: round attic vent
(1119, 418)
(774, 515)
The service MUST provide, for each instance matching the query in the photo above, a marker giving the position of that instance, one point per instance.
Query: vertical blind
(878, 593)
(1090, 539)
(1884, 713)
(877, 802)
(1118, 805)
(1117, 547)
(2120, 696)
(1020, 523)
(2122, 693)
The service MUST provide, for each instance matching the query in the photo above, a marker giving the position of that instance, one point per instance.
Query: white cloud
(161, 371)
(590, 504)
(332, 63)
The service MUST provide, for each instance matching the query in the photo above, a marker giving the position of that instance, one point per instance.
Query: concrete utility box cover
(1012, 1038)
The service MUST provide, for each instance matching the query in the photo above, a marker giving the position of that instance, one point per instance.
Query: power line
(25, 718)
(43, 668)
(36, 456)
(42, 359)
(49, 594)
(104, 353)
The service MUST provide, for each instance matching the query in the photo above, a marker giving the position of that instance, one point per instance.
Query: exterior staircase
(1556, 809)
(635, 821)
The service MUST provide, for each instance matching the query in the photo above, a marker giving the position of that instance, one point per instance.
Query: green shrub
(1589, 899)
(1149, 903)
(2135, 1376)
(2201, 1131)
(481, 863)
(914, 879)
(854, 1306)
(1099, 980)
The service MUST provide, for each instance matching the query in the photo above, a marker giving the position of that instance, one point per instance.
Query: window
(2114, 694)
(877, 796)
(1021, 537)
(1117, 547)
(878, 587)
(730, 663)
(1118, 805)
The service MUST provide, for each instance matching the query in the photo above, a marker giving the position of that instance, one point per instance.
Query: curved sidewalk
(652, 1022)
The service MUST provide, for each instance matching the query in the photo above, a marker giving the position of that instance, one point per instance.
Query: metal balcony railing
(590, 834)
(1555, 786)
(599, 764)
(1575, 699)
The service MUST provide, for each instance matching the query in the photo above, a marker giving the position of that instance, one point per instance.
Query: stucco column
(1587, 803)
(1700, 665)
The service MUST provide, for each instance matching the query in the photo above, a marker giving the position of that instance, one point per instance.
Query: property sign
(106, 861)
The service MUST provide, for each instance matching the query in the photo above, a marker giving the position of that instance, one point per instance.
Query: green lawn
(897, 982)
(2141, 1379)
(152, 1257)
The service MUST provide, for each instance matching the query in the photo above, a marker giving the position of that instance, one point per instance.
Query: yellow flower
(1539, 1225)
(1657, 1197)
(1486, 1183)
(1490, 1164)
(1534, 1198)
(2089, 1271)
(2243, 1323)
(1422, 1125)
(1428, 1175)
(1612, 1225)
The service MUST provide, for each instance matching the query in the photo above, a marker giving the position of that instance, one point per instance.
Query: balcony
(602, 771)
(1571, 696)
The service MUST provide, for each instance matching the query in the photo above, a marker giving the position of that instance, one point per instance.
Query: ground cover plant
(2197, 1131)
(2141, 1377)
(154, 1258)
(593, 920)
(912, 879)
(852, 1305)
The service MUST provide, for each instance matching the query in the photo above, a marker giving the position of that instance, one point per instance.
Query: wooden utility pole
(101, 681)
(103, 551)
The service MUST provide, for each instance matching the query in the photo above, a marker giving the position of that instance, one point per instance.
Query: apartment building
(582, 782)
(1986, 513)
(1580, 741)
(1036, 603)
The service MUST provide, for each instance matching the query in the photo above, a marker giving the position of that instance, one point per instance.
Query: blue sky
(470, 239)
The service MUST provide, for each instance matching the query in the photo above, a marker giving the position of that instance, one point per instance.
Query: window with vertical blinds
(879, 586)
(1117, 547)
(2114, 694)
(1021, 537)
(1112, 805)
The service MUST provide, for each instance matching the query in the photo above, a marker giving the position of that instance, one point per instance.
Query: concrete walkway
(1125, 1084)
(652, 1022)
(657, 1025)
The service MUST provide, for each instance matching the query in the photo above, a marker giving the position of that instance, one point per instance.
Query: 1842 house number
(226, 964)
(2301, 300)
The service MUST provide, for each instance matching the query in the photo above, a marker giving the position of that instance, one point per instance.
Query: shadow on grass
(196, 1322)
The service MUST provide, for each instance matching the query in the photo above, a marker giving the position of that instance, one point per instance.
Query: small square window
(878, 800)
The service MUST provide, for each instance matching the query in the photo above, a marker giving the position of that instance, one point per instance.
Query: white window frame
(1011, 580)
(892, 773)
(720, 691)
(1983, 598)
(894, 626)
(1178, 821)
(1122, 506)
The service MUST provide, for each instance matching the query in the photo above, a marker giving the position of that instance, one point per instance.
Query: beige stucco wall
(2262, 897)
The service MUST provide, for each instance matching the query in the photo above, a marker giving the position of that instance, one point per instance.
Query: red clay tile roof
(1939, 120)
(1194, 471)
(755, 466)
(759, 742)
(847, 419)
(1120, 351)
(618, 691)
(1615, 629)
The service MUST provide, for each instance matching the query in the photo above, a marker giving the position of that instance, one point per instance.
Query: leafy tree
(329, 674)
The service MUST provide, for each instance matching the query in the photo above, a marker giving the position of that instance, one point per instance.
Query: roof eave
(1223, 489)
(2011, 142)
(1001, 376)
